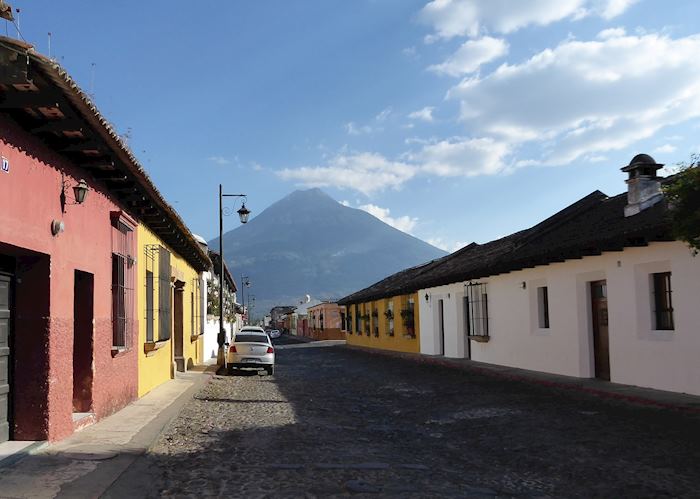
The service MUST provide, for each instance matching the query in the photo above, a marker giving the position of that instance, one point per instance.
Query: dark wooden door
(178, 329)
(83, 312)
(5, 359)
(441, 325)
(601, 348)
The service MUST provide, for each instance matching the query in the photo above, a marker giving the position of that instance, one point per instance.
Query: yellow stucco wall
(157, 366)
(400, 341)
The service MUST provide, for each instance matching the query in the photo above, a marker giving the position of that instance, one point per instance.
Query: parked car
(251, 349)
(275, 333)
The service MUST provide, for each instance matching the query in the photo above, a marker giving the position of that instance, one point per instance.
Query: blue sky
(456, 121)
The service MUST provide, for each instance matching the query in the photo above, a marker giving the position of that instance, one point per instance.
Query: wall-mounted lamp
(80, 192)
(427, 297)
(57, 226)
(523, 285)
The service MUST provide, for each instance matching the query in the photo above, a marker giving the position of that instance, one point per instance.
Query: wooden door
(441, 325)
(601, 348)
(178, 329)
(5, 359)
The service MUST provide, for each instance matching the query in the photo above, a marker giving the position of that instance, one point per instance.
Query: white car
(275, 333)
(251, 349)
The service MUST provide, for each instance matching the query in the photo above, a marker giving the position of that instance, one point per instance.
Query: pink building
(326, 321)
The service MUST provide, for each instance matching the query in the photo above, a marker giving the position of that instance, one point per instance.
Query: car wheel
(270, 370)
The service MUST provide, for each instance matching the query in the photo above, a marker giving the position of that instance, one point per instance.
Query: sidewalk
(595, 387)
(86, 463)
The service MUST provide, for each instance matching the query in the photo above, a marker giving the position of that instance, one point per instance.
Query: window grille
(149, 306)
(357, 319)
(663, 305)
(478, 313)
(164, 294)
(123, 264)
(543, 307)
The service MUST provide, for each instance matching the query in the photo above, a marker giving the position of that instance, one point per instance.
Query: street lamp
(243, 214)
(245, 282)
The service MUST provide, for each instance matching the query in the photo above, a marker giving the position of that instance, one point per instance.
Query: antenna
(92, 79)
(49, 45)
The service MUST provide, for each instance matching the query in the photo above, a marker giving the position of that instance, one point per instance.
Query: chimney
(643, 185)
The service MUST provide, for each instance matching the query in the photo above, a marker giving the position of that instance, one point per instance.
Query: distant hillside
(308, 243)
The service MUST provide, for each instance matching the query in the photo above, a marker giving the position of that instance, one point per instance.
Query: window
(390, 317)
(543, 307)
(357, 319)
(123, 263)
(478, 313)
(663, 306)
(342, 320)
(149, 306)
(163, 294)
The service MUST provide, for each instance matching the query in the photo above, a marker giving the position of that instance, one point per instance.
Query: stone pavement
(337, 422)
(86, 463)
(600, 388)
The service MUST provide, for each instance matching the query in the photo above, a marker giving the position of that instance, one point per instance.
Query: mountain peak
(309, 194)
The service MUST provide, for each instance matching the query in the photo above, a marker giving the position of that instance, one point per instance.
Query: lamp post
(245, 283)
(243, 214)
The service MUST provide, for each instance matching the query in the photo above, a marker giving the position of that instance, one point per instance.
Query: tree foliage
(683, 194)
(213, 301)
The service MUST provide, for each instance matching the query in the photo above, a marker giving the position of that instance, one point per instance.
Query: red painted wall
(29, 201)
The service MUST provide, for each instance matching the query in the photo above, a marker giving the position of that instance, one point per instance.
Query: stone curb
(524, 378)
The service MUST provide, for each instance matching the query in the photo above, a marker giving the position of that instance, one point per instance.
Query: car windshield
(251, 338)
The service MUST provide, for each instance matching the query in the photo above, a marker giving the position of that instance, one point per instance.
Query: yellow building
(385, 315)
(387, 323)
(169, 305)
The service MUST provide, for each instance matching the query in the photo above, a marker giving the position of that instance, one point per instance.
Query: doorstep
(14, 450)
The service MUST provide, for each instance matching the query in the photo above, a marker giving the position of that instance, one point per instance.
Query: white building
(210, 323)
(600, 289)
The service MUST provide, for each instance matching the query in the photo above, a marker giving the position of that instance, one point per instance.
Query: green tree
(683, 194)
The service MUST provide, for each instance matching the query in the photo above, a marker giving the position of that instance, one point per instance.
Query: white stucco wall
(665, 360)
(211, 324)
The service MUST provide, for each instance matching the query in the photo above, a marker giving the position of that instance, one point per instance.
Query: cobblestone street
(334, 422)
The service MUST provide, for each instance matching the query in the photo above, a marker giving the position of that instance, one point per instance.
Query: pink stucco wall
(29, 201)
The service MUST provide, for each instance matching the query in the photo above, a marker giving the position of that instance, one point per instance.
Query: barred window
(543, 307)
(164, 294)
(478, 310)
(149, 306)
(123, 264)
(663, 305)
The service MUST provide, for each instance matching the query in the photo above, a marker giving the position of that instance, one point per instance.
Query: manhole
(89, 456)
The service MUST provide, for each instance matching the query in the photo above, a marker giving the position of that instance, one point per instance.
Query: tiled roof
(592, 225)
(177, 234)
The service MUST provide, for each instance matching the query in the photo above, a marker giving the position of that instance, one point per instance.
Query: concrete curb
(627, 393)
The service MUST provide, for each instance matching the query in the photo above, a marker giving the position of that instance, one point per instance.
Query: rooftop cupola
(643, 185)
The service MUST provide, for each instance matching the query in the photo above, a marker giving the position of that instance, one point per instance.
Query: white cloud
(363, 172)
(425, 114)
(353, 129)
(581, 98)
(607, 9)
(666, 148)
(606, 34)
(410, 53)
(471, 55)
(345, 202)
(219, 160)
(462, 157)
(450, 18)
(404, 223)
(384, 114)
(258, 167)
